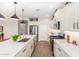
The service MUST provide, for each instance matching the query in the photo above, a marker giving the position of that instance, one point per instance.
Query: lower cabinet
(30, 48)
(58, 51)
(27, 50)
(22, 53)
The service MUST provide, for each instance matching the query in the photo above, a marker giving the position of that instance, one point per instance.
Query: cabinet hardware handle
(74, 26)
(77, 25)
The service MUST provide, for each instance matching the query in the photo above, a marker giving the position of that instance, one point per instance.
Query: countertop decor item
(74, 42)
(68, 39)
(15, 37)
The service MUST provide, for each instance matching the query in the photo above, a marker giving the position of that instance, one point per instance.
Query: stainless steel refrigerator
(34, 30)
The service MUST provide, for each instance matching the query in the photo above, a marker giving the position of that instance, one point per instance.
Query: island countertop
(9, 48)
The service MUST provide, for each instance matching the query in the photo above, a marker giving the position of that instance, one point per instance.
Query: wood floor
(42, 49)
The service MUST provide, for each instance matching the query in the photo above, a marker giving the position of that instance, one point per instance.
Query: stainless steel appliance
(33, 30)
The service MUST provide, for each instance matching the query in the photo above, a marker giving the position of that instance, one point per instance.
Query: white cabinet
(76, 5)
(27, 50)
(58, 51)
(58, 15)
(68, 16)
(22, 53)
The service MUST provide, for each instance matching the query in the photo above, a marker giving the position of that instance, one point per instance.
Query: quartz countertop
(9, 48)
(71, 49)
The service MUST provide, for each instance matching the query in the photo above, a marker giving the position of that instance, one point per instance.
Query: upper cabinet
(68, 16)
(57, 15)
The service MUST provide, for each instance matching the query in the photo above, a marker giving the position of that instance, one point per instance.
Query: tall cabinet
(23, 27)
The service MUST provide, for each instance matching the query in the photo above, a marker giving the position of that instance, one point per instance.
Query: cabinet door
(67, 17)
(77, 16)
(29, 48)
(22, 53)
(64, 54)
(29, 51)
(58, 52)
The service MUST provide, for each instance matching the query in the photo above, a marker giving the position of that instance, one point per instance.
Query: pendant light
(1, 16)
(22, 17)
(15, 16)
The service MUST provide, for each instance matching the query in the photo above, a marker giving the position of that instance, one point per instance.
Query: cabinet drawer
(59, 52)
(64, 54)
(21, 53)
(30, 48)
(27, 50)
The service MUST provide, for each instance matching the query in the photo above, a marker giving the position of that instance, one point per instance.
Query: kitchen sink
(24, 40)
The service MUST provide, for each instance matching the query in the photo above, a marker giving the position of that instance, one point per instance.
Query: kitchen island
(9, 48)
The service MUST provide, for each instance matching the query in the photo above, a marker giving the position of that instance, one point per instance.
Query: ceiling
(31, 9)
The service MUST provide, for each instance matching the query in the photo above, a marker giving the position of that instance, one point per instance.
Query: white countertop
(70, 49)
(9, 48)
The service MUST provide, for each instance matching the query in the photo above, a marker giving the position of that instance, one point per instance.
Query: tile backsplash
(73, 35)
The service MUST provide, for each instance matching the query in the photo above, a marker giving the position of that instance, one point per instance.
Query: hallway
(42, 50)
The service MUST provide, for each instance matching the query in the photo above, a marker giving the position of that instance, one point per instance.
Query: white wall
(10, 27)
(44, 27)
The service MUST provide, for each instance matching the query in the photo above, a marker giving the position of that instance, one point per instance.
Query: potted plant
(15, 37)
